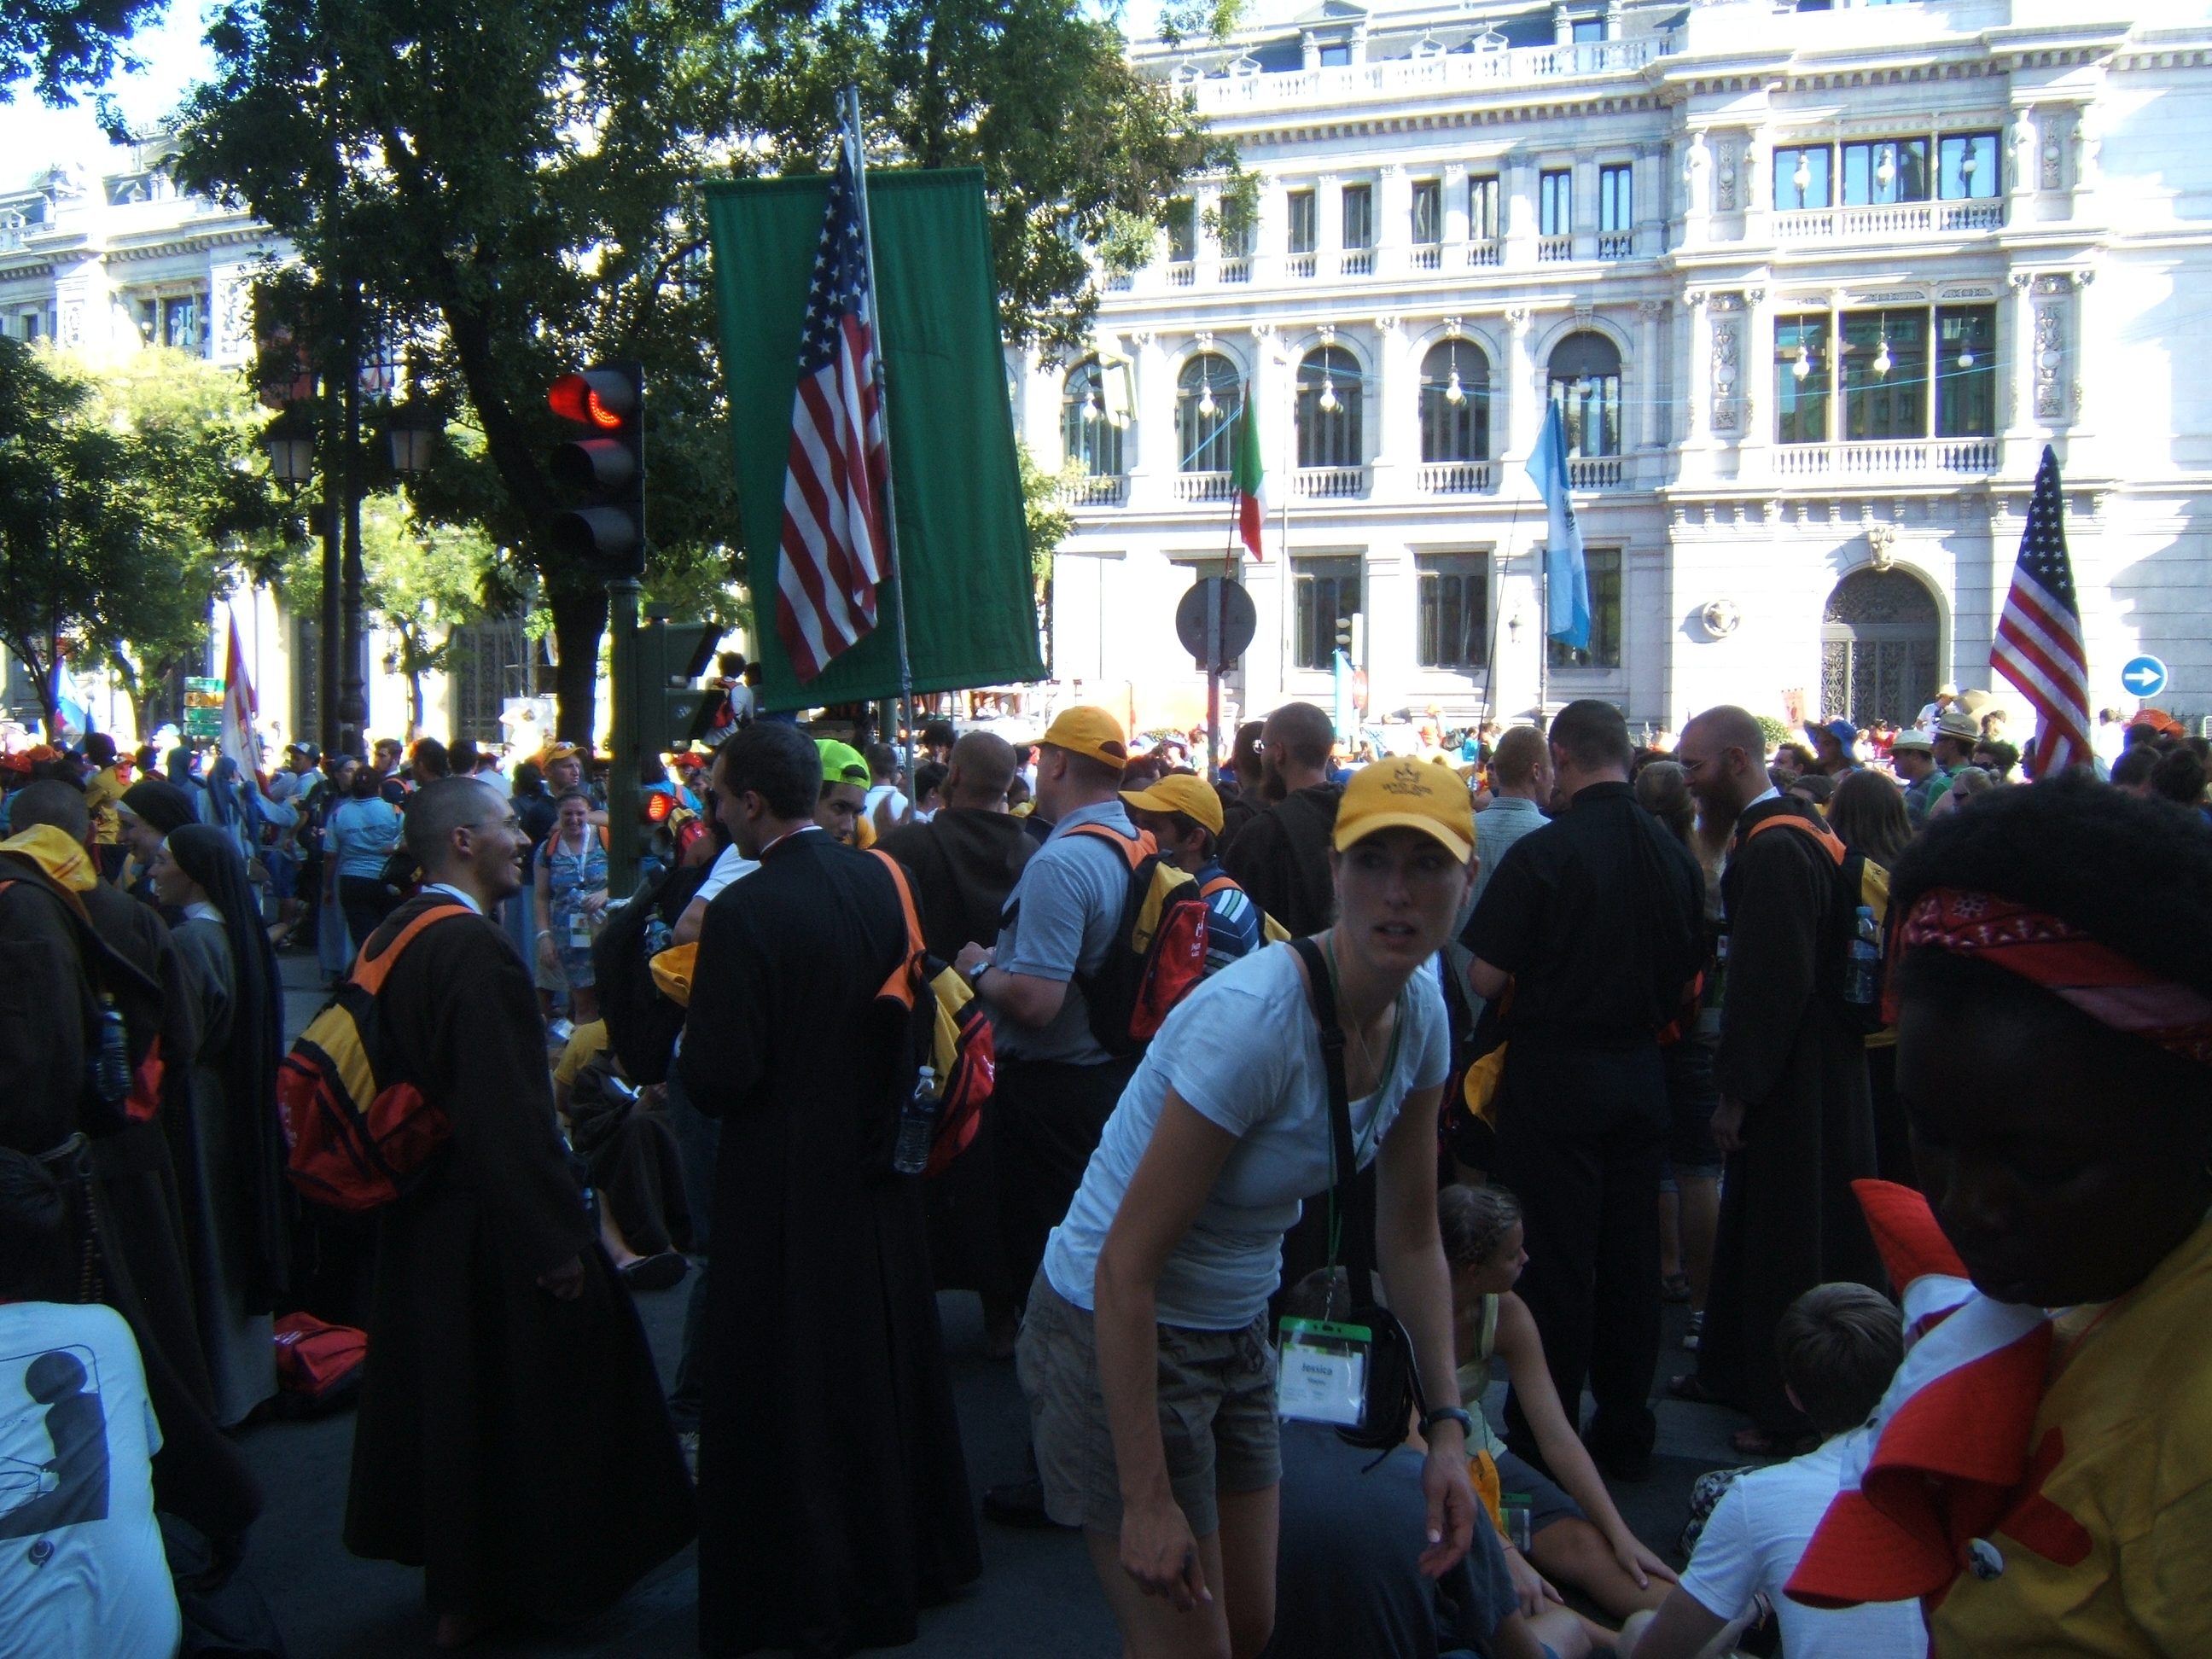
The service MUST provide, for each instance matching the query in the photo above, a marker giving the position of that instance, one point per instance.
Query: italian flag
(1249, 478)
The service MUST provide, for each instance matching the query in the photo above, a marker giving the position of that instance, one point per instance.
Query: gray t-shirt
(1243, 1051)
(1065, 911)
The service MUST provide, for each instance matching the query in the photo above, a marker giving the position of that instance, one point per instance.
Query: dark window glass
(1337, 56)
(1555, 204)
(1428, 212)
(1326, 590)
(1886, 170)
(1585, 383)
(1091, 439)
(1301, 203)
(1455, 402)
(1885, 374)
(1603, 564)
(1454, 620)
(1967, 371)
(1358, 216)
(1182, 229)
(1804, 378)
(1616, 198)
(1803, 178)
(1207, 396)
(1330, 403)
(1588, 29)
(1966, 167)
(1482, 207)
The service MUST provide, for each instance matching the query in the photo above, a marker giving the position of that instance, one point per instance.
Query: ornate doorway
(1880, 643)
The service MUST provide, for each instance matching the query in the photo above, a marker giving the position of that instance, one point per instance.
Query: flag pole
(857, 152)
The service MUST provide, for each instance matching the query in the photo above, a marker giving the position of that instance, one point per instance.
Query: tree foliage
(59, 45)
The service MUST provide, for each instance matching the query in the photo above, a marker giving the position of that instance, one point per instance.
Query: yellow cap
(561, 752)
(841, 763)
(1180, 792)
(1091, 732)
(1408, 794)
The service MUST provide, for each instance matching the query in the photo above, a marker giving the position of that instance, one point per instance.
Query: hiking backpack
(358, 1136)
(945, 1029)
(1271, 931)
(642, 1021)
(1859, 882)
(1159, 951)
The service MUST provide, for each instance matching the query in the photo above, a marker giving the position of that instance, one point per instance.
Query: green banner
(963, 541)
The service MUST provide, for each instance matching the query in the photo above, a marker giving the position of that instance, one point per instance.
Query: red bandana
(2066, 962)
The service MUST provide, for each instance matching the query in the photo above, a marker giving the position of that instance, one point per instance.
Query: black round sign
(1237, 620)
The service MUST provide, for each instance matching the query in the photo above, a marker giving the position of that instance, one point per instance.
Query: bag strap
(1347, 1198)
(369, 972)
(1220, 884)
(1828, 842)
(1135, 851)
(903, 982)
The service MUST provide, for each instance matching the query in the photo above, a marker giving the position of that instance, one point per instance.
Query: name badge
(1320, 1371)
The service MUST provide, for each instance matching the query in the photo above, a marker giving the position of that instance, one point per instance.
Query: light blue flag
(1566, 579)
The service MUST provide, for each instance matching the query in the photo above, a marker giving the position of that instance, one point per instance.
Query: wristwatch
(1452, 1413)
(976, 974)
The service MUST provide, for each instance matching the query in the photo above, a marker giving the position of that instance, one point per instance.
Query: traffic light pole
(622, 774)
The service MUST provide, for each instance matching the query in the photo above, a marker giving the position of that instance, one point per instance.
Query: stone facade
(1814, 288)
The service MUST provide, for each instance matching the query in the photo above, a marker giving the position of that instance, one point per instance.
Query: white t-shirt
(879, 793)
(1752, 1542)
(1244, 1050)
(728, 867)
(82, 1571)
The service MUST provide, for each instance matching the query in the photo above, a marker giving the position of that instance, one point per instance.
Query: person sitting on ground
(1575, 1537)
(1184, 813)
(82, 1570)
(1839, 1347)
(1345, 1573)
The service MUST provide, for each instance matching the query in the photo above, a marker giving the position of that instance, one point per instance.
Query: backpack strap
(1135, 851)
(1220, 884)
(1826, 838)
(1357, 1218)
(369, 972)
(904, 979)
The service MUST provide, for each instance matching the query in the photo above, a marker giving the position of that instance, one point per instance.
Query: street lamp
(413, 429)
(291, 448)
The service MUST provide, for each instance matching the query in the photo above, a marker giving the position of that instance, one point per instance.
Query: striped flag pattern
(835, 554)
(2038, 641)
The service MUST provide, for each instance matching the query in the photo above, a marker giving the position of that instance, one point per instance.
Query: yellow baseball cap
(1411, 794)
(561, 752)
(1180, 792)
(1089, 732)
(841, 763)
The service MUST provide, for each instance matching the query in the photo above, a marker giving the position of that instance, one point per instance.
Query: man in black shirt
(1597, 921)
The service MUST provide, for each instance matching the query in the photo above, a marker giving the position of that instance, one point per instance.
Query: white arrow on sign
(2144, 676)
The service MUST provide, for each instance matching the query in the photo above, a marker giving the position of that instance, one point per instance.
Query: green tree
(423, 580)
(59, 45)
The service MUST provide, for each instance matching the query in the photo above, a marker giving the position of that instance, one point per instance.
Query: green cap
(841, 763)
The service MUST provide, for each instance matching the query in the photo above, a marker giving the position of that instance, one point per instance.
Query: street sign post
(2144, 676)
(1215, 621)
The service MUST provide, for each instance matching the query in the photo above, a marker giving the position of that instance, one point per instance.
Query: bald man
(1794, 1118)
(1281, 857)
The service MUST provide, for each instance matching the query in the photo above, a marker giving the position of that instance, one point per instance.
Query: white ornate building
(1813, 287)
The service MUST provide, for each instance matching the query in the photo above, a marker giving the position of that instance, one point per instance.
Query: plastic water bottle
(111, 1067)
(659, 936)
(917, 1126)
(1863, 976)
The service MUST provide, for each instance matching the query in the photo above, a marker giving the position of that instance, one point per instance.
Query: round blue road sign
(2144, 676)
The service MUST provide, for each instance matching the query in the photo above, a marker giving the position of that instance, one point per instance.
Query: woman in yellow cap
(1145, 1352)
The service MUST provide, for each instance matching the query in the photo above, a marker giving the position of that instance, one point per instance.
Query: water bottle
(917, 1126)
(1863, 975)
(111, 1074)
(659, 936)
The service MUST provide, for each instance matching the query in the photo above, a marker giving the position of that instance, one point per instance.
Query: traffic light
(606, 468)
(1344, 635)
(671, 710)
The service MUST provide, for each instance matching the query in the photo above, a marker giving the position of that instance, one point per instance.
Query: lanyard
(1375, 1117)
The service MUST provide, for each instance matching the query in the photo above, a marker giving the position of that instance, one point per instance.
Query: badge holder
(1320, 1371)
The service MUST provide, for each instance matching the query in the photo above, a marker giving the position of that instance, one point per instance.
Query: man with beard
(512, 1437)
(833, 1497)
(1281, 857)
(1795, 1119)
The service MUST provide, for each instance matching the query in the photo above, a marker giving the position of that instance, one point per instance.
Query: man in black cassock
(833, 1498)
(1794, 1117)
(512, 1438)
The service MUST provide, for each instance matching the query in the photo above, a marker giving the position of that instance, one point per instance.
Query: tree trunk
(580, 616)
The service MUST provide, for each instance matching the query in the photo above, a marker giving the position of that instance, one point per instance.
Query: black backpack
(642, 1022)
(1857, 882)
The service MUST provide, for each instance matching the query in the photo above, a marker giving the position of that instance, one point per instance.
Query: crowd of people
(1281, 1120)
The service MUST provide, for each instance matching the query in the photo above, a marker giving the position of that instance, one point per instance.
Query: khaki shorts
(1216, 1414)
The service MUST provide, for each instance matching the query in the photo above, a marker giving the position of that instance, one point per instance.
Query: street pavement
(1036, 1596)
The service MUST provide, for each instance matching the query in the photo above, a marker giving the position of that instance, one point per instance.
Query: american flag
(2038, 643)
(834, 486)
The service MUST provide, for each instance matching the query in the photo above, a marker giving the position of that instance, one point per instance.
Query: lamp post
(412, 428)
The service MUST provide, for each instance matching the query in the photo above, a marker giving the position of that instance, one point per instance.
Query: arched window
(1455, 402)
(1585, 375)
(1207, 397)
(1088, 429)
(1330, 401)
(1880, 640)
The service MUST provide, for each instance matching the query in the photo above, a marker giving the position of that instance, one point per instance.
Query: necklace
(1380, 1074)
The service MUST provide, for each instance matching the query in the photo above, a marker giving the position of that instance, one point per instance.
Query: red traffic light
(657, 806)
(594, 398)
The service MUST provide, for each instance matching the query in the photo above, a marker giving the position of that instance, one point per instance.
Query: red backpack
(359, 1137)
(1159, 951)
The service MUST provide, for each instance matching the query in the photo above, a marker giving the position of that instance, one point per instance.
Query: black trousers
(1581, 1132)
(366, 901)
(1046, 1116)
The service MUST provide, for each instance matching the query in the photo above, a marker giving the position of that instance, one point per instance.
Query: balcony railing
(1399, 77)
(1597, 472)
(1427, 256)
(1182, 273)
(1855, 224)
(1356, 261)
(1552, 248)
(1235, 270)
(1104, 491)
(1330, 482)
(1298, 264)
(1906, 457)
(1616, 245)
(1204, 487)
(1120, 281)
(1483, 253)
(1457, 479)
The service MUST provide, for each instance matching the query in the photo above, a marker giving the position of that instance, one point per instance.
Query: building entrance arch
(1880, 645)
